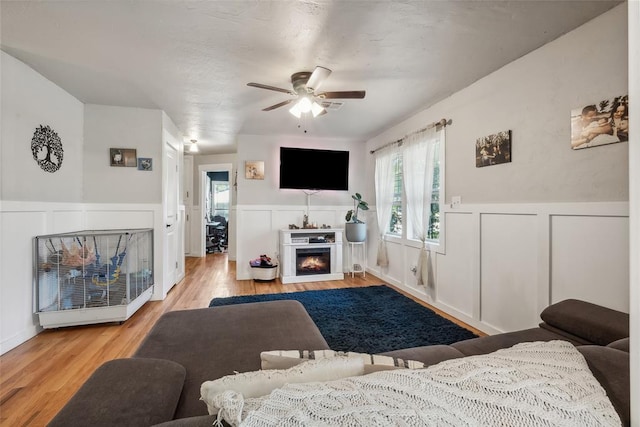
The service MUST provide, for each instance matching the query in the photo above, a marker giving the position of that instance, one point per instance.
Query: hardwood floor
(38, 377)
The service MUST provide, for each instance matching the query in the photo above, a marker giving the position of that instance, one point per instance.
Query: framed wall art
(123, 157)
(254, 170)
(493, 149)
(145, 164)
(600, 123)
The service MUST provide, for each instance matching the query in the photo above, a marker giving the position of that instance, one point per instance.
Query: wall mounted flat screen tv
(312, 169)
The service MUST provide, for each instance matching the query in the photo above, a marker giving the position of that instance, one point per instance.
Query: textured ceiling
(193, 59)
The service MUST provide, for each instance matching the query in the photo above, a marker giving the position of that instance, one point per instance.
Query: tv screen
(312, 169)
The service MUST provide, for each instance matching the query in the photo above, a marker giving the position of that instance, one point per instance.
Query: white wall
(553, 223)
(267, 191)
(533, 96)
(34, 202)
(263, 209)
(27, 192)
(28, 101)
(121, 127)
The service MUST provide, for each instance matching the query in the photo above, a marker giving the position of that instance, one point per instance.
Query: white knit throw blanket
(530, 384)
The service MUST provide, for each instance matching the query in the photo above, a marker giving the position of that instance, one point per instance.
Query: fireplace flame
(313, 263)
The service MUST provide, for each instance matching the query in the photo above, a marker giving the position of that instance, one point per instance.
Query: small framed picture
(123, 157)
(493, 149)
(145, 164)
(254, 170)
(600, 123)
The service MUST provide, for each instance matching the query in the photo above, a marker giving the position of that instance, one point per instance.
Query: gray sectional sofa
(160, 384)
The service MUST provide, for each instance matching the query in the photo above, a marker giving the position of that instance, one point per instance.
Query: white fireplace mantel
(309, 238)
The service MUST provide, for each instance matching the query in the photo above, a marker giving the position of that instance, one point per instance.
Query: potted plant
(355, 229)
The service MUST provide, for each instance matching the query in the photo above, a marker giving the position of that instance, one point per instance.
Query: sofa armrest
(121, 392)
(611, 369)
(590, 322)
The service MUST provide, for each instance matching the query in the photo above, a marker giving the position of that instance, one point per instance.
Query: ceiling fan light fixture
(316, 109)
(305, 84)
(304, 104)
(295, 110)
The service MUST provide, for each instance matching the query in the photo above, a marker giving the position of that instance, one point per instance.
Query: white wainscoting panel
(590, 259)
(99, 218)
(508, 271)
(283, 217)
(455, 279)
(255, 237)
(409, 261)
(65, 220)
(17, 321)
(395, 272)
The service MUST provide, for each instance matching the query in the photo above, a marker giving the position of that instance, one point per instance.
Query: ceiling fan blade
(351, 94)
(277, 89)
(278, 105)
(317, 77)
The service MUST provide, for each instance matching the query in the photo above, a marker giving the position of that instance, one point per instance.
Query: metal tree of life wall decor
(46, 148)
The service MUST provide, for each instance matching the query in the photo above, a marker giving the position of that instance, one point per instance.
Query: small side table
(358, 259)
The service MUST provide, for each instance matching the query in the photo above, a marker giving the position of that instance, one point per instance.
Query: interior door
(172, 221)
(188, 201)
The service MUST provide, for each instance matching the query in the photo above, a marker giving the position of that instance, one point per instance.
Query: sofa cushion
(122, 392)
(492, 343)
(611, 368)
(429, 354)
(591, 322)
(213, 342)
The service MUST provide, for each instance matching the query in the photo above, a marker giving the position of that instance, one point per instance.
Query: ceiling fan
(305, 84)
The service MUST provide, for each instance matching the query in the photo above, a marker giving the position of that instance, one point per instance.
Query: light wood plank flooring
(38, 377)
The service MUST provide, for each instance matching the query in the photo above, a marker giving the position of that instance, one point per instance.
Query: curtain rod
(441, 122)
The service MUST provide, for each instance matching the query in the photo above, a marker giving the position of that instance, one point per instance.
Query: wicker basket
(264, 273)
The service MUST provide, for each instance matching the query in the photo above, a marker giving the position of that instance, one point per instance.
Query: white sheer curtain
(418, 163)
(384, 179)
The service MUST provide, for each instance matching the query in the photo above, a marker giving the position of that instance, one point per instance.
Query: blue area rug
(372, 319)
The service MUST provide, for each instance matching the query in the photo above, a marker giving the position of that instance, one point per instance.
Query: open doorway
(215, 203)
(217, 211)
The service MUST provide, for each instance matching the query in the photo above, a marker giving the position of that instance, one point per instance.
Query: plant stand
(358, 258)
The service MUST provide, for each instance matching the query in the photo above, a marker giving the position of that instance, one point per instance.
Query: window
(433, 233)
(396, 223)
(218, 199)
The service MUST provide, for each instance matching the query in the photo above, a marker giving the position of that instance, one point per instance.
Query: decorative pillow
(260, 383)
(283, 359)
